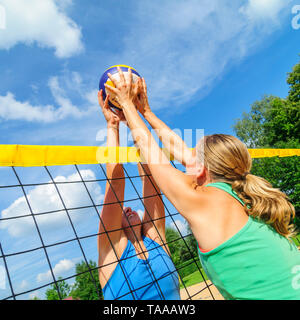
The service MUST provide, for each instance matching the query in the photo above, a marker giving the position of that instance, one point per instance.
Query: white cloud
(34, 294)
(66, 108)
(73, 83)
(44, 198)
(12, 109)
(264, 9)
(2, 18)
(2, 278)
(182, 48)
(24, 285)
(43, 23)
(178, 224)
(92, 97)
(59, 269)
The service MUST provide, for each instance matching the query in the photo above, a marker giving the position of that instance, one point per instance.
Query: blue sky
(201, 58)
(205, 62)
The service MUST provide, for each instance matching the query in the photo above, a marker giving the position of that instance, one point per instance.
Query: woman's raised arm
(171, 141)
(177, 186)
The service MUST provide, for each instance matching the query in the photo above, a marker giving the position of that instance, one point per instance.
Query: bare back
(220, 218)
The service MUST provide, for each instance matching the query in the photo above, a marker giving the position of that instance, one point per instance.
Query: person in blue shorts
(134, 259)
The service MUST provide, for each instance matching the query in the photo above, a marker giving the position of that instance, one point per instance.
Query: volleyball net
(51, 199)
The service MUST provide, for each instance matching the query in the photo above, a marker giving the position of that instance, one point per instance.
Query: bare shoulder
(213, 203)
(199, 200)
(218, 218)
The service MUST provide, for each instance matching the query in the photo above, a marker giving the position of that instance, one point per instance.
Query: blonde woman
(134, 259)
(242, 224)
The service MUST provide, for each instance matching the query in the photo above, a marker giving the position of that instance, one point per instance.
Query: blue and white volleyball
(115, 75)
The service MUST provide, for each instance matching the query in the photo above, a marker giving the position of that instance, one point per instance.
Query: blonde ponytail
(228, 160)
(266, 203)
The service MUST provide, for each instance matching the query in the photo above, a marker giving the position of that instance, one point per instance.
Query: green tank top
(256, 263)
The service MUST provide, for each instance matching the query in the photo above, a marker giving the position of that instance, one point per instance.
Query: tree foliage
(293, 81)
(270, 122)
(184, 252)
(84, 288)
(63, 287)
(274, 122)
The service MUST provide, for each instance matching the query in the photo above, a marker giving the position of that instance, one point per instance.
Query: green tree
(174, 242)
(270, 122)
(293, 81)
(181, 250)
(86, 287)
(250, 128)
(274, 122)
(191, 242)
(63, 287)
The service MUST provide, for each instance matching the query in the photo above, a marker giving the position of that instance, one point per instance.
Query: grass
(193, 278)
(189, 272)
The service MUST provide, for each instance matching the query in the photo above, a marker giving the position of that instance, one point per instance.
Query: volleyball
(115, 75)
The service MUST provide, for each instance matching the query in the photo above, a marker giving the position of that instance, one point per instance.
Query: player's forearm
(149, 185)
(115, 186)
(112, 135)
(114, 170)
(143, 139)
(172, 142)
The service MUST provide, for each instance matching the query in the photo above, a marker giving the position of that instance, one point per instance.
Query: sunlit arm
(111, 215)
(174, 184)
(171, 141)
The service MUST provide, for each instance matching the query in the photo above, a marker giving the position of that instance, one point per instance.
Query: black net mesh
(49, 228)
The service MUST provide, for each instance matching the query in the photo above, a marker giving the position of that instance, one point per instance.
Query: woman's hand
(124, 91)
(141, 99)
(113, 118)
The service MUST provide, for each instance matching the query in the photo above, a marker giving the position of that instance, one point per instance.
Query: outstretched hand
(124, 91)
(141, 98)
(113, 118)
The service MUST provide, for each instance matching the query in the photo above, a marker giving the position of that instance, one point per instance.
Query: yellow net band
(32, 155)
